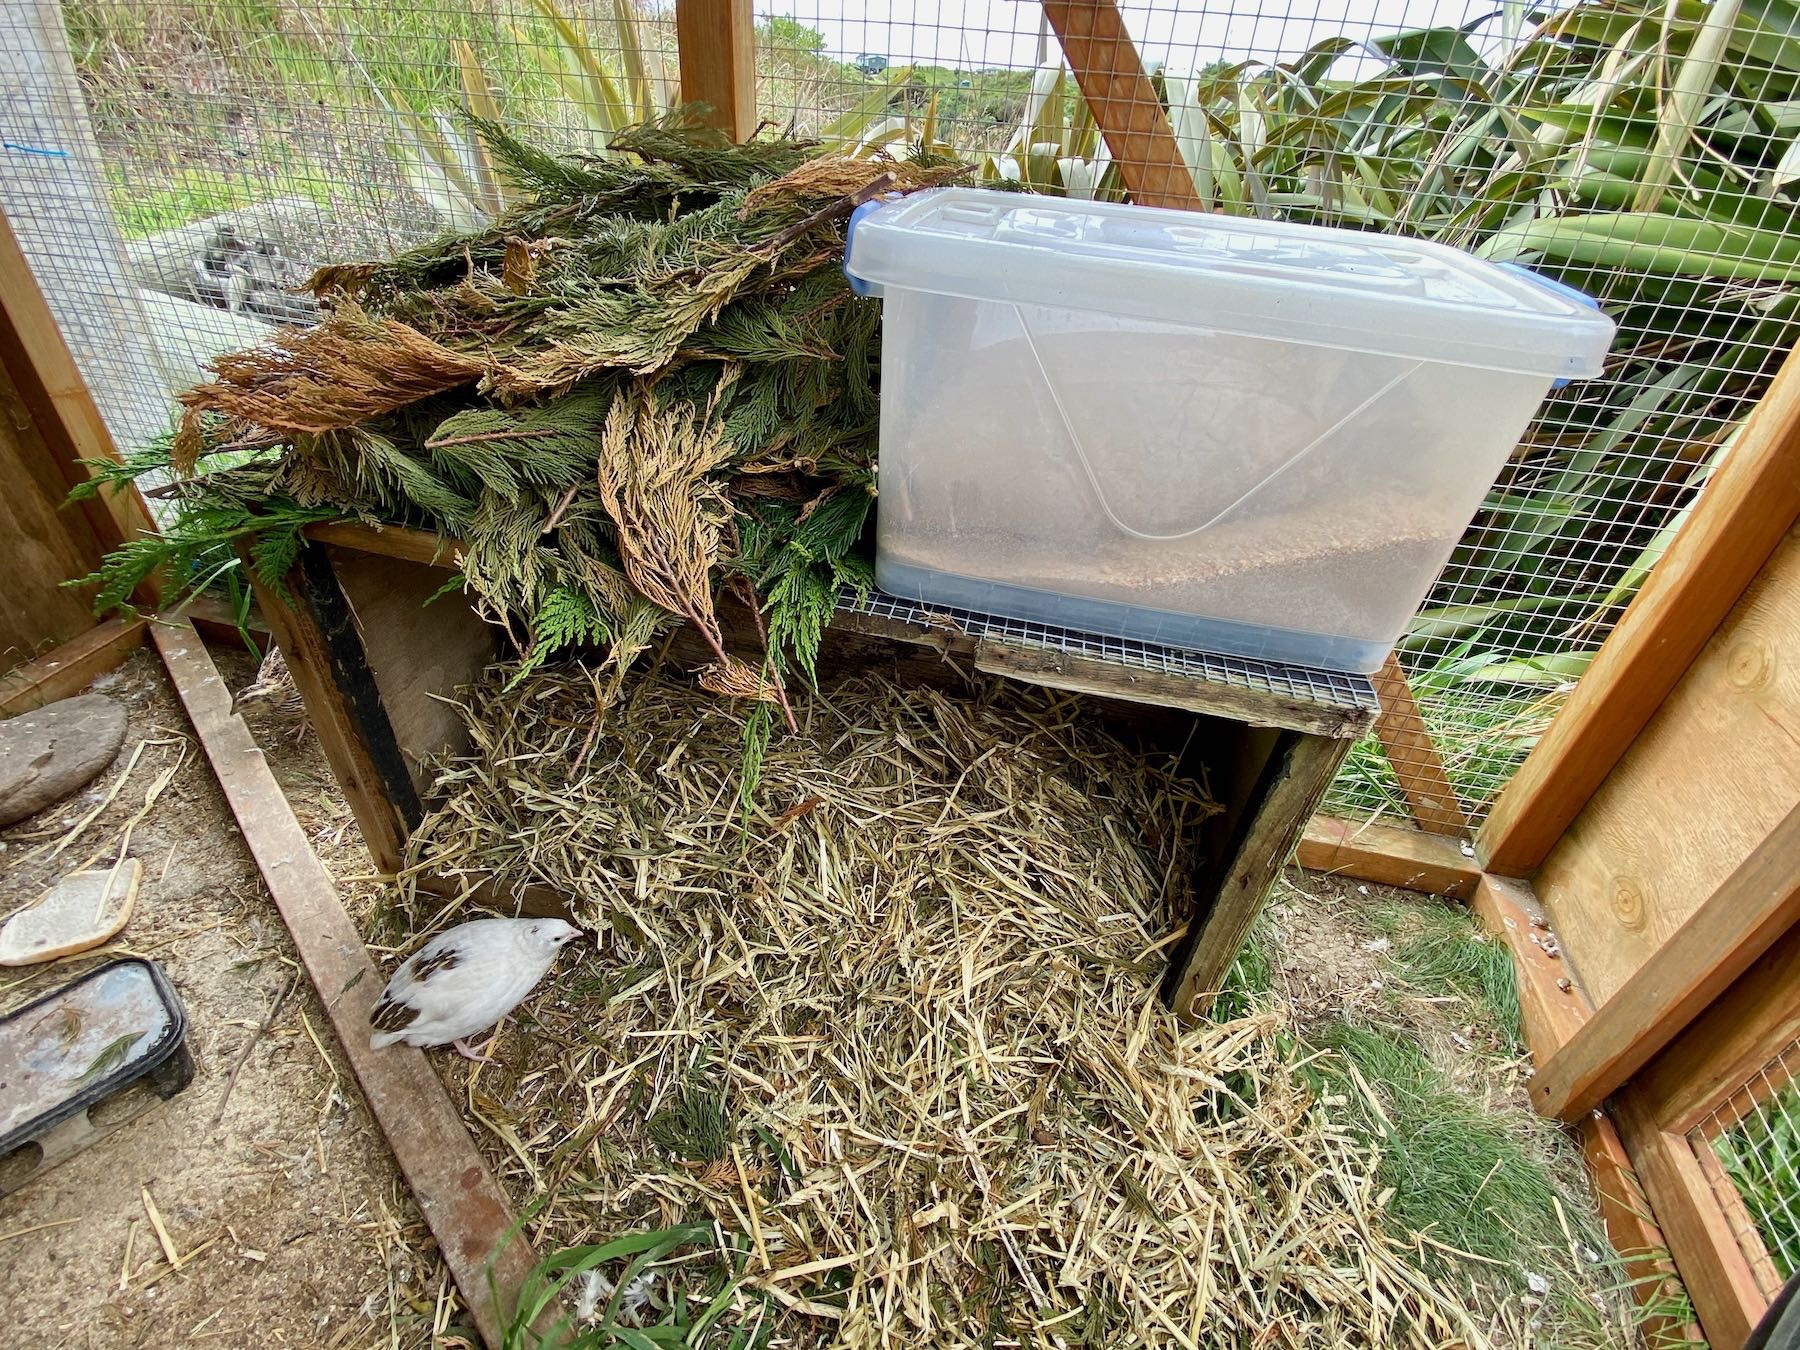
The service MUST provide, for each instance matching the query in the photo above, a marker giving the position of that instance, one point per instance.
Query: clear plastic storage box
(1197, 430)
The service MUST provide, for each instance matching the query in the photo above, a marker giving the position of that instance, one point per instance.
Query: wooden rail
(465, 1207)
(717, 44)
(1751, 502)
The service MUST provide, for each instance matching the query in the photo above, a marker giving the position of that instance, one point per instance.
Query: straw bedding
(896, 1036)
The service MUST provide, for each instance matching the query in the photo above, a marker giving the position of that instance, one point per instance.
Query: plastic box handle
(857, 284)
(1561, 289)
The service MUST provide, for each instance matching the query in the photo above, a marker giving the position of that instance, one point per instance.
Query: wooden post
(1742, 515)
(1124, 102)
(716, 40)
(1407, 740)
(1299, 770)
(316, 632)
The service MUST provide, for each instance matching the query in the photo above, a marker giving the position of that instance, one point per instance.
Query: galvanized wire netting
(171, 166)
(1755, 1137)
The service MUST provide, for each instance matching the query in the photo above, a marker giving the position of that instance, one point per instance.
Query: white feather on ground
(465, 980)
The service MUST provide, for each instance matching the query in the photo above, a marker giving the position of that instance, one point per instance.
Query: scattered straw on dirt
(896, 1033)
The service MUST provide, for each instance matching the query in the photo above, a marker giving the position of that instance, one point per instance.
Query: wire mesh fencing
(173, 167)
(1750, 1146)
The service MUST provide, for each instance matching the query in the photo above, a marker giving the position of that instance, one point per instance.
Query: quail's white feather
(465, 980)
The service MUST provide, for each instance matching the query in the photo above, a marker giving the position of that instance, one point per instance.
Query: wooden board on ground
(459, 1197)
(1393, 855)
(1642, 1248)
(1713, 773)
(1552, 1004)
(71, 667)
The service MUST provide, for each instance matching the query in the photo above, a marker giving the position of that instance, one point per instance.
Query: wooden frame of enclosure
(1656, 820)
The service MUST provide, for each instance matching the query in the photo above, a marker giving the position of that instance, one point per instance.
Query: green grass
(1461, 1173)
(1482, 736)
(1762, 1156)
(187, 195)
(688, 1305)
(1251, 978)
(1439, 949)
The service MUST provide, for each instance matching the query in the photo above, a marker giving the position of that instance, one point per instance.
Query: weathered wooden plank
(313, 625)
(389, 541)
(1632, 869)
(71, 668)
(717, 44)
(1749, 913)
(1299, 770)
(1058, 669)
(1718, 1278)
(1389, 855)
(468, 1213)
(1407, 740)
(1131, 118)
(1748, 506)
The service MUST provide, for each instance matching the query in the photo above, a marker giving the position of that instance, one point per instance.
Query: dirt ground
(286, 1214)
(288, 1218)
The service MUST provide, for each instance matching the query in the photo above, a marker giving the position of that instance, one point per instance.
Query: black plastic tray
(57, 1064)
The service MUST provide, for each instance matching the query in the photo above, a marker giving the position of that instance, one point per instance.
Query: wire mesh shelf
(1326, 689)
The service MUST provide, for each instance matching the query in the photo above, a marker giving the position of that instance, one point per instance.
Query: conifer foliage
(647, 384)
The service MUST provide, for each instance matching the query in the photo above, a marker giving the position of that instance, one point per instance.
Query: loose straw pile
(897, 1032)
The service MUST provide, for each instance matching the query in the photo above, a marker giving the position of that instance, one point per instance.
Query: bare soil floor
(288, 1218)
(286, 1214)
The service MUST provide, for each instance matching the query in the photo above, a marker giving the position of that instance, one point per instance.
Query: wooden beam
(40, 364)
(1057, 669)
(1633, 1231)
(1552, 1006)
(71, 668)
(716, 41)
(1753, 908)
(1298, 771)
(1389, 855)
(1721, 1065)
(1124, 102)
(390, 541)
(217, 621)
(312, 624)
(1407, 740)
(464, 1205)
(1751, 502)
(1719, 1280)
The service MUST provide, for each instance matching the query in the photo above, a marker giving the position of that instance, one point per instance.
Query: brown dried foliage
(349, 370)
(670, 519)
(842, 176)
